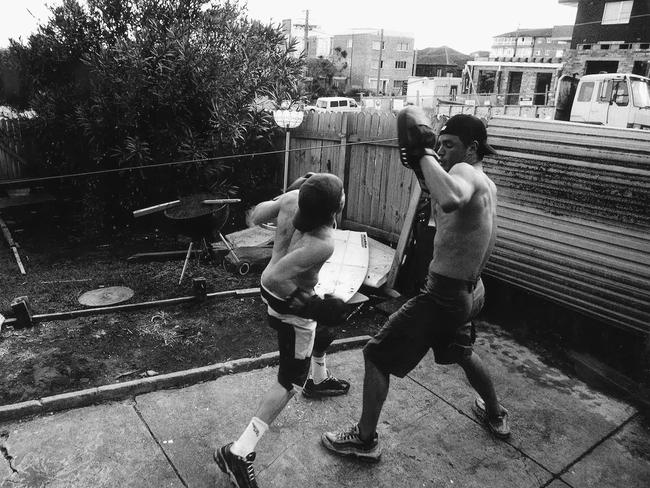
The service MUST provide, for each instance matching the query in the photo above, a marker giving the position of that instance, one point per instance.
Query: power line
(178, 163)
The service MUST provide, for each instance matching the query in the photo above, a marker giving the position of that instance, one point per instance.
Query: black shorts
(438, 319)
(294, 360)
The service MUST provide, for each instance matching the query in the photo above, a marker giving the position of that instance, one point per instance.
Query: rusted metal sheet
(574, 216)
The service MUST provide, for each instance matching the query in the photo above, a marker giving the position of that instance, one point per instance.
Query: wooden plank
(371, 231)
(156, 208)
(380, 261)
(12, 245)
(404, 237)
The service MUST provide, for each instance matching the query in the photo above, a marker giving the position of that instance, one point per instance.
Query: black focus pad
(415, 137)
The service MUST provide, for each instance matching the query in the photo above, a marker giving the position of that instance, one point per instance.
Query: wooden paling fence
(574, 203)
(360, 148)
(12, 165)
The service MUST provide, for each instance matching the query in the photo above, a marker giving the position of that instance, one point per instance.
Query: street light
(289, 119)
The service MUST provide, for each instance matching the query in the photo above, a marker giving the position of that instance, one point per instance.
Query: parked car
(333, 104)
(615, 99)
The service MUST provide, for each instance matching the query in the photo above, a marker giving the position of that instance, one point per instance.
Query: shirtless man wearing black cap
(304, 240)
(440, 316)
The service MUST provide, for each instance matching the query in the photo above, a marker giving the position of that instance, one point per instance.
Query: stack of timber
(574, 216)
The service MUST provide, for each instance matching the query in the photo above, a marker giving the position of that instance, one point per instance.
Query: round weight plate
(102, 297)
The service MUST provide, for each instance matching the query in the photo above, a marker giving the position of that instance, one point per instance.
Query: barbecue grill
(200, 217)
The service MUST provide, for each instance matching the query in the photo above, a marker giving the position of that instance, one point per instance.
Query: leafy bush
(145, 84)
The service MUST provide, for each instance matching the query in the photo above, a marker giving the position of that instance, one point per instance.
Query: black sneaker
(330, 386)
(240, 470)
(349, 443)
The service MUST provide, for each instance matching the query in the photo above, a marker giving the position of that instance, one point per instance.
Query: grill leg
(187, 258)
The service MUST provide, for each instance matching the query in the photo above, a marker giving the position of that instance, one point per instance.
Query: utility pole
(306, 40)
(381, 45)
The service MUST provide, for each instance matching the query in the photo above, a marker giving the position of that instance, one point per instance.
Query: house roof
(545, 32)
(441, 55)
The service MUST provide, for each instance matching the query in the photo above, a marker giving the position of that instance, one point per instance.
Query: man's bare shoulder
(319, 242)
(289, 199)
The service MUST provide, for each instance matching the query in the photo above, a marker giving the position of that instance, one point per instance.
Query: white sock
(248, 440)
(318, 369)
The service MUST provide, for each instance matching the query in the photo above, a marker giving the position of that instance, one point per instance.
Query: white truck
(615, 99)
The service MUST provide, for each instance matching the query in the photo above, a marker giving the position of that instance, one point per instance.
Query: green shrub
(146, 83)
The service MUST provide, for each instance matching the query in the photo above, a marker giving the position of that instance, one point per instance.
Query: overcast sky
(464, 25)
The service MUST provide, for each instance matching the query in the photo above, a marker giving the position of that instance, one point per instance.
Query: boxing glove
(329, 311)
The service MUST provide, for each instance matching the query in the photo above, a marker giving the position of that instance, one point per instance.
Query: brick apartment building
(609, 36)
(392, 64)
(522, 67)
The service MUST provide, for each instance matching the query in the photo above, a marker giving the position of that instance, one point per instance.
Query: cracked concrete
(565, 434)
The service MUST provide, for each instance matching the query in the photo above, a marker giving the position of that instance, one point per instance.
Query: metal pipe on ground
(72, 314)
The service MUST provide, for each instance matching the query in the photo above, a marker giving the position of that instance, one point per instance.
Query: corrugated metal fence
(574, 215)
(574, 203)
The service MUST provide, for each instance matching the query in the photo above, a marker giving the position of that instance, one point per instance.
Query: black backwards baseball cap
(318, 201)
(468, 129)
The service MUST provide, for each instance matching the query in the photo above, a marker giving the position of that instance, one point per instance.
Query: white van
(334, 104)
(616, 99)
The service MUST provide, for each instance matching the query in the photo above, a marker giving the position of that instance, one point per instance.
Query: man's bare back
(297, 256)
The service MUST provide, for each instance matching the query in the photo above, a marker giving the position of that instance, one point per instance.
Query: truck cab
(616, 99)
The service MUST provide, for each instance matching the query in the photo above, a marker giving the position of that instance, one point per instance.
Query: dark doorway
(514, 87)
(595, 67)
(542, 86)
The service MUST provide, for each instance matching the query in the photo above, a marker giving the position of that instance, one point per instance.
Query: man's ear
(472, 151)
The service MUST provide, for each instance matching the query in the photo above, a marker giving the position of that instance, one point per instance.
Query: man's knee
(324, 337)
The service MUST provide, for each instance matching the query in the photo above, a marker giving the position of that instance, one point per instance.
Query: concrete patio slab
(426, 442)
(554, 418)
(622, 460)
(100, 446)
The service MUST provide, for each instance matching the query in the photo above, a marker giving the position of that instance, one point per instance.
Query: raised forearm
(450, 191)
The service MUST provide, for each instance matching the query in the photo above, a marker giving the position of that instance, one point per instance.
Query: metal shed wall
(574, 216)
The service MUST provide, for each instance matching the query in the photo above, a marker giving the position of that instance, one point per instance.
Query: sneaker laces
(347, 435)
(250, 471)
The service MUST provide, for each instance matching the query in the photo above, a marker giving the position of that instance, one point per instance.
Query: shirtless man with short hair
(440, 316)
(304, 241)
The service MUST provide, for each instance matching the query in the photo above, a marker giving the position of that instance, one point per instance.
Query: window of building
(375, 45)
(617, 12)
(585, 47)
(604, 47)
(624, 46)
(644, 45)
(402, 46)
(486, 80)
(397, 83)
(400, 64)
(586, 90)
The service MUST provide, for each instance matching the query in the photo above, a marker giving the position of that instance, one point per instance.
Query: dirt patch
(68, 355)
